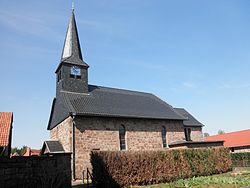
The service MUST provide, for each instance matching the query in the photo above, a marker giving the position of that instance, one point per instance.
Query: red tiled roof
(233, 139)
(5, 127)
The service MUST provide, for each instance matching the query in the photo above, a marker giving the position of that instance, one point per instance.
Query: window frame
(77, 76)
(122, 138)
(187, 132)
(164, 137)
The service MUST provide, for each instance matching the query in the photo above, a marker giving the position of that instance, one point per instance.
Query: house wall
(196, 133)
(97, 133)
(241, 149)
(62, 132)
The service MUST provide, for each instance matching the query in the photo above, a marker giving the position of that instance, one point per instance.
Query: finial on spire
(73, 5)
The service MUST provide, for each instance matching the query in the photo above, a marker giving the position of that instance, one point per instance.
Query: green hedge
(241, 159)
(119, 168)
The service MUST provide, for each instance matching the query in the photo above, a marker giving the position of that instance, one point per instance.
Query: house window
(163, 136)
(188, 134)
(122, 133)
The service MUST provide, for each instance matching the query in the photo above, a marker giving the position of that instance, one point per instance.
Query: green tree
(23, 150)
(206, 134)
(221, 131)
(20, 151)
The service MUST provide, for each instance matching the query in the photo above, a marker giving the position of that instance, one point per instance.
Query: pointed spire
(73, 5)
(72, 49)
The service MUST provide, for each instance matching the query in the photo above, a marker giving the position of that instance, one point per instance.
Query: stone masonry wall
(62, 132)
(34, 171)
(96, 133)
(196, 134)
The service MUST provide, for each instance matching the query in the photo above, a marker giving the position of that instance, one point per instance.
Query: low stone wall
(35, 171)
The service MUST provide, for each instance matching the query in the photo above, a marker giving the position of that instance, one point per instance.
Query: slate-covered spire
(72, 49)
(72, 71)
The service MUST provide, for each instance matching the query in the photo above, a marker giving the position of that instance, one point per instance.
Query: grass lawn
(227, 180)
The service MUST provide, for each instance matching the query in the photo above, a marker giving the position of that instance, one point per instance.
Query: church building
(88, 117)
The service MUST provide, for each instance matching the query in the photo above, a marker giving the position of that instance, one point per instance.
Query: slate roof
(190, 121)
(110, 102)
(72, 50)
(53, 146)
(233, 139)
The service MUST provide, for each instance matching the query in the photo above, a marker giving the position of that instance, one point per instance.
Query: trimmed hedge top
(118, 169)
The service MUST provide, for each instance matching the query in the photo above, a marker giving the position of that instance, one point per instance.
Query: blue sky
(192, 54)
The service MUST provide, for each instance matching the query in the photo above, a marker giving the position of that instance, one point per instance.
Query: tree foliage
(221, 131)
(20, 151)
(206, 134)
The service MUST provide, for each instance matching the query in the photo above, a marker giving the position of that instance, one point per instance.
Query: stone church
(88, 117)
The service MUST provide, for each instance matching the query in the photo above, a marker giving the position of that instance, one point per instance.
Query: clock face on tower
(75, 71)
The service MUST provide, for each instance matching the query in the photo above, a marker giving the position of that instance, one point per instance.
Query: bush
(241, 159)
(119, 168)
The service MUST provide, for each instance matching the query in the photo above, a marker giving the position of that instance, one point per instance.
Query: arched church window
(188, 134)
(122, 132)
(163, 136)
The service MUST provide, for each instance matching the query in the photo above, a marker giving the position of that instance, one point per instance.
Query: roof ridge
(234, 132)
(120, 89)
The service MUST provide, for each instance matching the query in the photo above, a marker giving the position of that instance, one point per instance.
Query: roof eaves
(196, 125)
(51, 112)
(69, 63)
(124, 116)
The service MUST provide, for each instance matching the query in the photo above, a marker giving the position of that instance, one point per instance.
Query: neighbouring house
(88, 117)
(31, 152)
(6, 120)
(14, 154)
(238, 141)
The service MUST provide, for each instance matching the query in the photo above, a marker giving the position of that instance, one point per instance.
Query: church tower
(72, 72)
